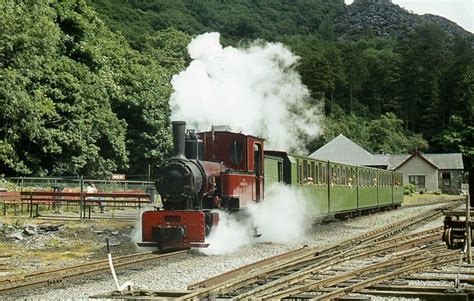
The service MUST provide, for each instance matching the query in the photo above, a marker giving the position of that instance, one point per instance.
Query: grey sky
(459, 11)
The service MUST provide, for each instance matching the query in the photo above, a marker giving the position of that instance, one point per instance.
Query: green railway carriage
(334, 188)
(367, 184)
(397, 187)
(273, 170)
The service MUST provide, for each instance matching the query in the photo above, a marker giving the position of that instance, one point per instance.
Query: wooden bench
(84, 200)
(10, 198)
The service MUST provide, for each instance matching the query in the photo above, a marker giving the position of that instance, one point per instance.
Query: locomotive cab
(217, 169)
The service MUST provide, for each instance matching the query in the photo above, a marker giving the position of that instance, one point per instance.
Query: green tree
(383, 134)
(75, 98)
(459, 137)
(425, 58)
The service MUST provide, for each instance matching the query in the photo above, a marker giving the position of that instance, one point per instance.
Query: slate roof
(395, 160)
(343, 150)
(445, 161)
(440, 161)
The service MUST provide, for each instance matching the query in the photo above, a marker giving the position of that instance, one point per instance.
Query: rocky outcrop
(382, 18)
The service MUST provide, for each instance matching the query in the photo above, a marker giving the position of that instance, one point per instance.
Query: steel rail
(397, 261)
(50, 277)
(294, 278)
(315, 255)
(414, 267)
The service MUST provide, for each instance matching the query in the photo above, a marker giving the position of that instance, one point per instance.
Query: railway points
(364, 264)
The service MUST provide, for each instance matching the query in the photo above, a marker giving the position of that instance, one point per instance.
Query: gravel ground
(178, 273)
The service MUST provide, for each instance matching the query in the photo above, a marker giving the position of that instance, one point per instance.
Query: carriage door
(258, 168)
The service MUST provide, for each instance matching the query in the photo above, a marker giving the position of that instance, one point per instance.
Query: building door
(446, 179)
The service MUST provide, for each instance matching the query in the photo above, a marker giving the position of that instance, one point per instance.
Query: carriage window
(298, 171)
(236, 152)
(314, 167)
(280, 171)
(320, 174)
(324, 176)
(305, 171)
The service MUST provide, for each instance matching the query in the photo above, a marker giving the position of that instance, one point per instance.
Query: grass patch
(427, 198)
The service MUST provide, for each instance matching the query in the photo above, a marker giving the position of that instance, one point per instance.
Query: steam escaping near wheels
(280, 218)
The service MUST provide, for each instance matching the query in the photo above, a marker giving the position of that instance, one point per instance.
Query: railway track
(353, 265)
(41, 279)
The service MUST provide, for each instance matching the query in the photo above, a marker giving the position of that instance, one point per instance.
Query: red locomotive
(218, 169)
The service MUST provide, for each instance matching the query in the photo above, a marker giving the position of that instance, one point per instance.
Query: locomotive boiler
(217, 169)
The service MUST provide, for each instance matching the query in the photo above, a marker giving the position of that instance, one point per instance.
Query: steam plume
(255, 90)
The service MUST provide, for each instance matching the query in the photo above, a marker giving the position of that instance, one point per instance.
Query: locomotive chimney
(179, 129)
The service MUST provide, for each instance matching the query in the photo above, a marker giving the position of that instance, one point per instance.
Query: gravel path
(178, 273)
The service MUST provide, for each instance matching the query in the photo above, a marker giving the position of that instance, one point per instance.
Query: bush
(409, 189)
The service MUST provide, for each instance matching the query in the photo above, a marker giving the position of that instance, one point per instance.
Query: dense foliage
(235, 20)
(75, 98)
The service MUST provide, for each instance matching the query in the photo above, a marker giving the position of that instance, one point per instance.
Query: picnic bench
(85, 201)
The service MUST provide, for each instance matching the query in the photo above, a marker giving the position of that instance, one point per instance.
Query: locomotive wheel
(207, 230)
(447, 236)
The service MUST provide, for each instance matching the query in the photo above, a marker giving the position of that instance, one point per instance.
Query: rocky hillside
(382, 18)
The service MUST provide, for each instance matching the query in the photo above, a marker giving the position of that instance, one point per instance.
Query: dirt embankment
(29, 244)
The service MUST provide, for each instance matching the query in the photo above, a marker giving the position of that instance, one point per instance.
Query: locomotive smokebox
(179, 132)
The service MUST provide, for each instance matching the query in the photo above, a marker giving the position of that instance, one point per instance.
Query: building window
(417, 180)
(446, 179)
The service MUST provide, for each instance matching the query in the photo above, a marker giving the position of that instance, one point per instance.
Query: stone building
(430, 172)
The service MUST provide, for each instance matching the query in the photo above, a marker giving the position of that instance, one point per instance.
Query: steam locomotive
(217, 169)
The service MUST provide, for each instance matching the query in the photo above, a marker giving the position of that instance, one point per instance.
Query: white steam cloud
(282, 218)
(136, 234)
(255, 90)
